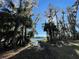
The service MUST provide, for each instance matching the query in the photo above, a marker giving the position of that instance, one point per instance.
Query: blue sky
(42, 7)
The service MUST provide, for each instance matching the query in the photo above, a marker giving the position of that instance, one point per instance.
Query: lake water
(34, 41)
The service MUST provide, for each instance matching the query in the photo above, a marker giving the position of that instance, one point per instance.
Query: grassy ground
(66, 51)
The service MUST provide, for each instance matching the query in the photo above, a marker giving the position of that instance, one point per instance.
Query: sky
(42, 7)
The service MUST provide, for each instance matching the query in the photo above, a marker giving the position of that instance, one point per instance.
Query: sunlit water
(34, 41)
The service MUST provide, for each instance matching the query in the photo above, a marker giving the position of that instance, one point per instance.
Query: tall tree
(72, 15)
(50, 27)
(13, 25)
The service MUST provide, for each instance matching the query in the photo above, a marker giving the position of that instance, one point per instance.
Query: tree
(50, 27)
(13, 25)
(72, 15)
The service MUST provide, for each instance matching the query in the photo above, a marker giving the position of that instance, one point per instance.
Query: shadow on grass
(65, 52)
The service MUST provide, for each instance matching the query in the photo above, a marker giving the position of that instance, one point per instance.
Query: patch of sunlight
(45, 40)
(75, 44)
(77, 51)
(12, 53)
